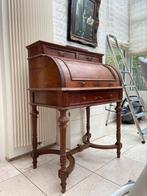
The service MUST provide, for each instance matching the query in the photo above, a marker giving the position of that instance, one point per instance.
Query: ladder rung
(135, 98)
(141, 114)
(144, 131)
(130, 86)
(125, 71)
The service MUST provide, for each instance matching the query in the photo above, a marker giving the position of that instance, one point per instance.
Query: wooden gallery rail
(64, 77)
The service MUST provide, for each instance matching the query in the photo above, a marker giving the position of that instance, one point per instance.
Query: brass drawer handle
(98, 97)
(89, 58)
(60, 53)
(83, 83)
(83, 98)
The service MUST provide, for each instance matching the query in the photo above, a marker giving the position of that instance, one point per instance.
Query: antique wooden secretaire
(65, 77)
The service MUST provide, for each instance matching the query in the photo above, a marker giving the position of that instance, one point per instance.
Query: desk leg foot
(34, 114)
(119, 146)
(63, 176)
(118, 132)
(63, 121)
(118, 154)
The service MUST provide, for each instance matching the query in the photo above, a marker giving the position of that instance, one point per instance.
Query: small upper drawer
(88, 58)
(60, 53)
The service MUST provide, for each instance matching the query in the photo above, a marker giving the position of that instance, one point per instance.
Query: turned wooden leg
(34, 114)
(87, 136)
(63, 120)
(118, 131)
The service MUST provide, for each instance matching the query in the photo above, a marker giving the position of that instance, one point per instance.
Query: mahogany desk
(64, 77)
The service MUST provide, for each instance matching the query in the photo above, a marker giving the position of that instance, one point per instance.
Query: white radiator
(29, 21)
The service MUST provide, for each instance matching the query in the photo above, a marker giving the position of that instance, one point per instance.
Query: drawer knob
(98, 97)
(84, 98)
(60, 53)
(89, 58)
(83, 83)
(111, 95)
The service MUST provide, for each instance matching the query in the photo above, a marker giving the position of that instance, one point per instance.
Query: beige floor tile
(93, 159)
(125, 128)
(93, 186)
(130, 129)
(25, 163)
(110, 129)
(7, 171)
(19, 186)
(121, 170)
(138, 153)
(130, 140)
(46, 177)
(127, 142)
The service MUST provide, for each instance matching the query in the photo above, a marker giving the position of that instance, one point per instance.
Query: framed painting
(83, 21)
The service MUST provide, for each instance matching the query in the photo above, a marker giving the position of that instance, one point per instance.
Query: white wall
(23, 23)
(2, 121)
(108, 7)
(119, 19)
(5, 96)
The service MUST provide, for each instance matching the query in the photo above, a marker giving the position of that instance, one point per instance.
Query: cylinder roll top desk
(65, 77)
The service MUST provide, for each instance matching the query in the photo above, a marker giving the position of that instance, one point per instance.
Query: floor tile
(25, 163)
(131, 129)
(82, 181)
(93, 159)
(127, 131)
(130, 140)
(110, 128)
(138, 153)
(121, 170)
(93, 186)
(127, 143)
(19, 186)
(46, 177)
(7, 171)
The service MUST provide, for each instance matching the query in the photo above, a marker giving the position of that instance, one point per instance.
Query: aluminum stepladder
(127, 87)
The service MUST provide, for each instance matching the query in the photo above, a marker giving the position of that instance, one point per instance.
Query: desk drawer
(88, 58)
(59, 53)
(89, 98)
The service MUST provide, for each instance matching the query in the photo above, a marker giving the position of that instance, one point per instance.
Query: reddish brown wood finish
(34, 114)
(63, 120)
(64, 77)
(118, 132)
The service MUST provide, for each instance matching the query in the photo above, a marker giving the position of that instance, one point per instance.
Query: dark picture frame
(83, 21)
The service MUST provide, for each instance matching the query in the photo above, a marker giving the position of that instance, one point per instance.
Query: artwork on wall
(83, 21)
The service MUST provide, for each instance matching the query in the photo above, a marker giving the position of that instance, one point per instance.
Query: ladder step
(135, 98)
(144, 131)
(130, 86)
(125, 71)
(141, 114)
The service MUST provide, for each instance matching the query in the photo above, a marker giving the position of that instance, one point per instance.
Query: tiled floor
(97, 172)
